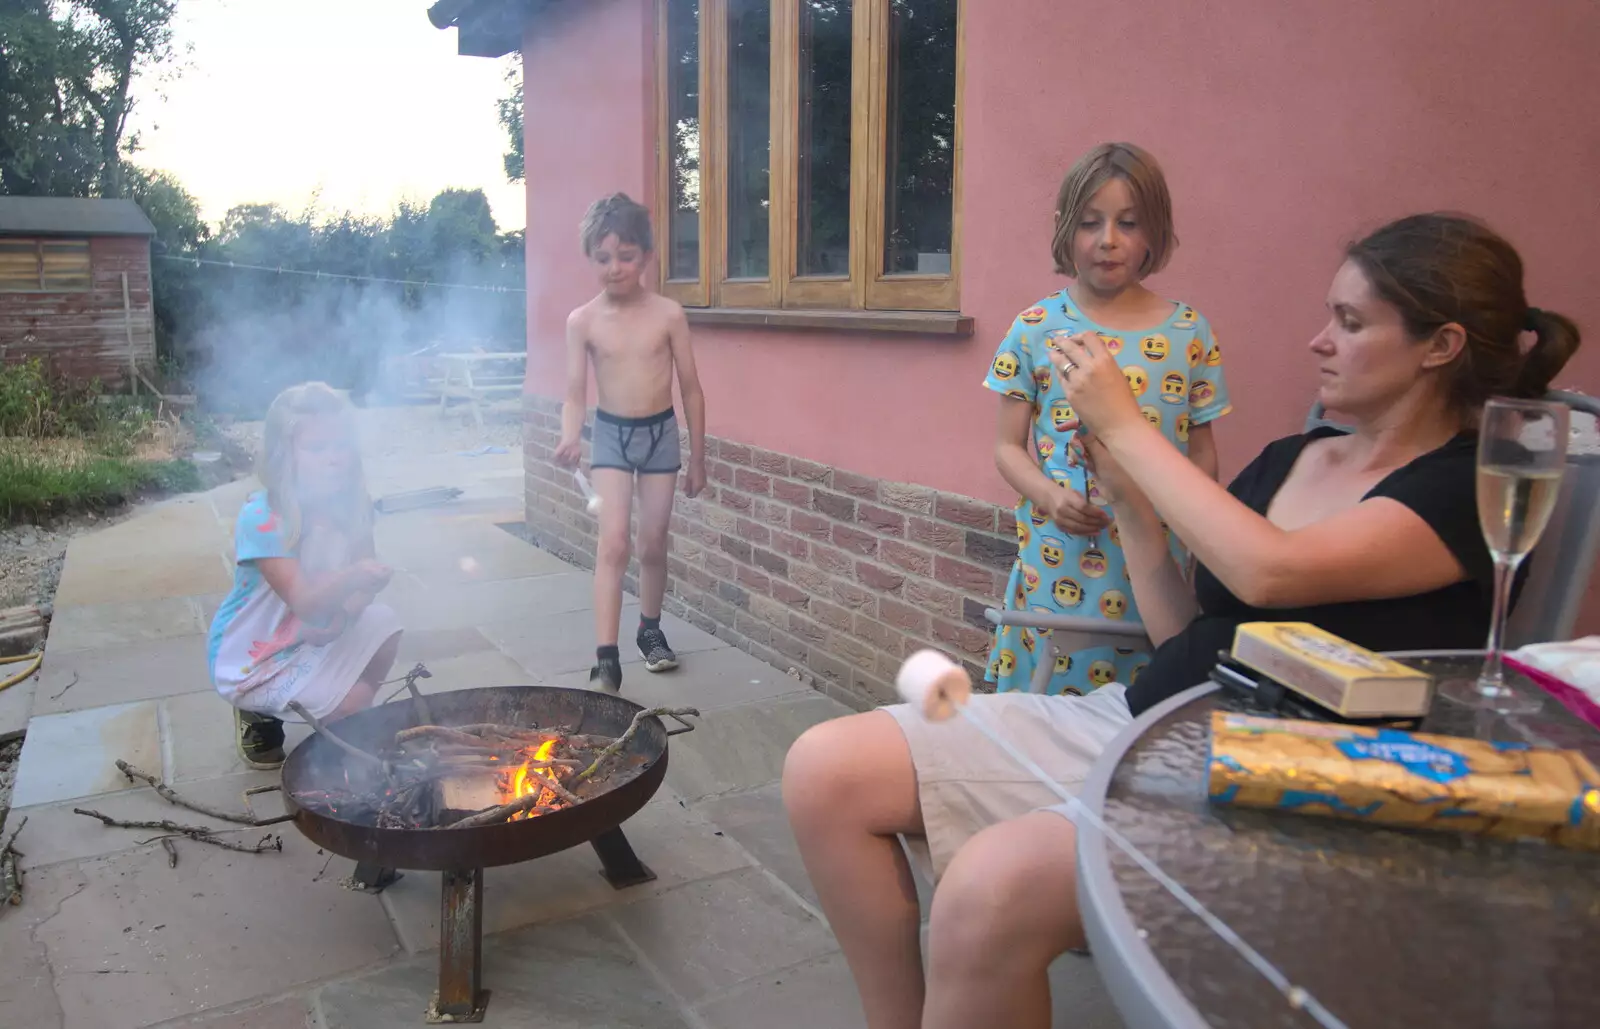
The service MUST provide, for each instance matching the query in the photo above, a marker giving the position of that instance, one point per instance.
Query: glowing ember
(527, 781)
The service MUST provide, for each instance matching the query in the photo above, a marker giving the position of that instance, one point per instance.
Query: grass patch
(37, 486)
(66, 446)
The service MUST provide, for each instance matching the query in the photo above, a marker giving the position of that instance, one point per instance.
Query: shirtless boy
(637, 341)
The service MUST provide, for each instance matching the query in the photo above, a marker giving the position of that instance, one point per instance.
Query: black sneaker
(260, 739)
(658, 656)
(607, 673)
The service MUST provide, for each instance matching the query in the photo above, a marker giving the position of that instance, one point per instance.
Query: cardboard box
(1333, 672)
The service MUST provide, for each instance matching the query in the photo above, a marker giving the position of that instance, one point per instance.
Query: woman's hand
(1115, 483)
(1094, 384)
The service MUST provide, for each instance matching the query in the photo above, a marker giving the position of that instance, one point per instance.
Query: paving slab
(755, 819)
(27, 987)
(708, 680)
(708, 936)
(427, 645)
(459, 550)
(74, 754)
(674, 842)
(77, 679)
(1078, 997)
(143, 942)
(133, 576)
(424, 605)
(561, 643)
(55, 834)
(739, 748)
(294, 1013)
(99, 626)
(813, 995)
(578, 974)
(469, 671)
(198, 735)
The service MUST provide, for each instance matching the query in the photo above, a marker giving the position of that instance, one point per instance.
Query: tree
(66, 68)
(511, 119)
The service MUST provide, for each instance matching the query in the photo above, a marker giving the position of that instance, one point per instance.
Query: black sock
(610, 653)
(649, 623)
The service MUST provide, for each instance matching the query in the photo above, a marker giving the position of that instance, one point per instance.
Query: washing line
(280, 270)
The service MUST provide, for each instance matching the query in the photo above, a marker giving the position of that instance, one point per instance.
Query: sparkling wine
(1514, 504)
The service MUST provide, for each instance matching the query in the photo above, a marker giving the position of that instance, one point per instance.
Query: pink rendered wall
(588, 127)
(1285, 130)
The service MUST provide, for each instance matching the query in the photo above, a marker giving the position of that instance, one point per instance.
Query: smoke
(268, 321)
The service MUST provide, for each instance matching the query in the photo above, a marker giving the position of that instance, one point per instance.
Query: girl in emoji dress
(1113, 228)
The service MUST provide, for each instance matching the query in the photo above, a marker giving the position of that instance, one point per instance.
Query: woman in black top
(1372, 535)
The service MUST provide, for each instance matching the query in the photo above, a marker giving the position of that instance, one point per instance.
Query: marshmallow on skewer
(592, 498)
(933, 684)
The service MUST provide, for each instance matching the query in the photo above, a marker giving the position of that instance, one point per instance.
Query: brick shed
(75, 285)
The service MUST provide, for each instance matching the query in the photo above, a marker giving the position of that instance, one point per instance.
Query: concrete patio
(108, 936)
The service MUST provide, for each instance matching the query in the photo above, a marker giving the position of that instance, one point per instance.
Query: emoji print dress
(1175, 371)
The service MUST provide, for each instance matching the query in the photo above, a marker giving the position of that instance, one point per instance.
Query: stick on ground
(198, 833)
(622, 741)
(170, 796)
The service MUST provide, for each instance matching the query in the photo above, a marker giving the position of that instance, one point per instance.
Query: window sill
(924, 323)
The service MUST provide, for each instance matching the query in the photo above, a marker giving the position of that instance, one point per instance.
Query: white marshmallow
(933, 684)
(469, 565)
(593, 502)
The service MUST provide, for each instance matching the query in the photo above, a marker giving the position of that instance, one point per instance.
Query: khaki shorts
(966, 784)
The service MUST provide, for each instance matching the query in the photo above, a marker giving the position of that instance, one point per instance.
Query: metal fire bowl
(317, 764)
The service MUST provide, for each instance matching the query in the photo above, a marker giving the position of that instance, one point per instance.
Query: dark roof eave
(485, 28)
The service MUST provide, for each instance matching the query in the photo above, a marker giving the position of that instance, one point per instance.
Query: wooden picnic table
(466, 378)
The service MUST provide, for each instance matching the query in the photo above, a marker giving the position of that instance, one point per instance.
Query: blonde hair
(1151, 201)
(275, 463)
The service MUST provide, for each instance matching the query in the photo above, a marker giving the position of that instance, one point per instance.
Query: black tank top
(1439, 486)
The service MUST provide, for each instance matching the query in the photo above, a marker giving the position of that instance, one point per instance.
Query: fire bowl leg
(371, 877)
(618, 863)
(461, 997)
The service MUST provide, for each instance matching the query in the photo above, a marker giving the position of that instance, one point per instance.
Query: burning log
(521, 806)
(444, 776)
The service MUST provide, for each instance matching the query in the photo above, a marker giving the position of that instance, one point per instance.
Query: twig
(407, 681)
(441, 732)
(199, 833)
(317, 725)
(67, 687)
(419, 672)
(171, 796)
(172, 851)
(490, 816)
(11, 868)
(622, 741)
(13, 837)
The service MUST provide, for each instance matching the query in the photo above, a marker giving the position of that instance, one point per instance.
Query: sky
(356, 104)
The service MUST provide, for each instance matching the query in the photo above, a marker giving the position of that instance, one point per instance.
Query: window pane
(824, 182)
(749, 136)
(66, 265)
(920, 142)
(19, 265)
(683, 138)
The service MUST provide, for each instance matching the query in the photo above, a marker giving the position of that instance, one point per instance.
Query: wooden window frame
(866, 288)
(39, 286)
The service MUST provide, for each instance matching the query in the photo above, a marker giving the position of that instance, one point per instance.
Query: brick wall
(811, 568)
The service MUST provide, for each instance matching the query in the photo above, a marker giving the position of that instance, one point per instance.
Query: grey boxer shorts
(643, 446)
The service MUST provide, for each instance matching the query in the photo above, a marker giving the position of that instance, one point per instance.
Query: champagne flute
(1522, 452)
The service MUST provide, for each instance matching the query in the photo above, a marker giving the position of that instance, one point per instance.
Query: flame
(525, 781)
